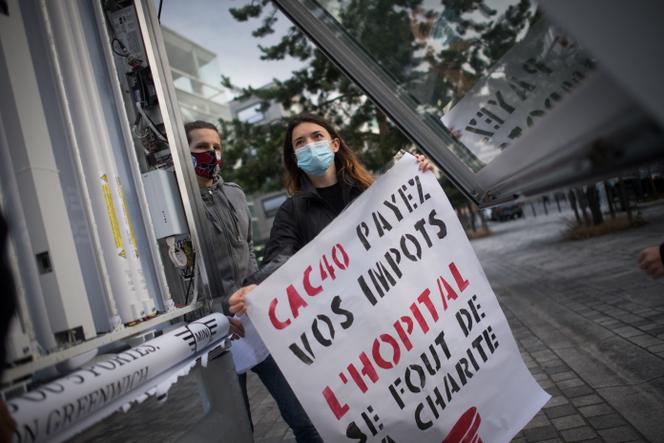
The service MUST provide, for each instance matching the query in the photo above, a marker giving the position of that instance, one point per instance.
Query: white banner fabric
(386, 327)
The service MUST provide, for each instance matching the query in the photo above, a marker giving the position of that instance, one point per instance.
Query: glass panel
(211, 56)
(488, 70)
(196, 76)
(251, 114)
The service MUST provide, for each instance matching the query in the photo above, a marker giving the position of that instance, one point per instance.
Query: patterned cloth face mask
(207, 164)
(315, 158)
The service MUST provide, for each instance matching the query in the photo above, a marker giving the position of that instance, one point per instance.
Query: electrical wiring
(125, 52)
(115, 39)
(150, 123)
(191, 279)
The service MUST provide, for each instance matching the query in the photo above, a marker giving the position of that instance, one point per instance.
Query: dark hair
(346, 161)
(198, 124)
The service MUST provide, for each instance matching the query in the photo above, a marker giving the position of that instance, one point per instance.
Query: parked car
(506, 212)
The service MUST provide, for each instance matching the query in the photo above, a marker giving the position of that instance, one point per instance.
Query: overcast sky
(208, 23)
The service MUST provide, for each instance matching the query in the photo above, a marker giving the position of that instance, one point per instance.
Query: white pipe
(95, 182)
(21, 303)
(133, 161)
(96, 230)
(147, 302)
(46, 413)
(143, 304)
(28, 274)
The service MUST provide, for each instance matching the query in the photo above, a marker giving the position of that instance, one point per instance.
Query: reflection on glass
(252, 114)
(196, 72)
(487, 69)
(519, 90)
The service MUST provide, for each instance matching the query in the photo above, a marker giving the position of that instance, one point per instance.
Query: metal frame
(187, 182)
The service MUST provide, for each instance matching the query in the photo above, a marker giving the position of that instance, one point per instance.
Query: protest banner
(386, 327)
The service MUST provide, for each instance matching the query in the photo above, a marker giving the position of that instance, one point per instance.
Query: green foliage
(252, 10)
(391, 32)
(252, 155)
(320, 87)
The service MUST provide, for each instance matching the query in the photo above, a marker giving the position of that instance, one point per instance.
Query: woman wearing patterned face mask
(323, 176)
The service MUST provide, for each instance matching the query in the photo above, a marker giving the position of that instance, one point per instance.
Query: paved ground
(589, 324)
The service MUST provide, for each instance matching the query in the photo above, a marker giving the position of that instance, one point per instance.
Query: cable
(176, 253)
(114, 37)
(124, 54)
(193, 276)
(150, 123)
(161, 3)
(115, 41)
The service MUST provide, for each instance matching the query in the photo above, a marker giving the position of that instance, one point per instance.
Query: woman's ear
(335, 144)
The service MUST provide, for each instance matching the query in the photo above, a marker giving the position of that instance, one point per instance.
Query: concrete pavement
(589, 324)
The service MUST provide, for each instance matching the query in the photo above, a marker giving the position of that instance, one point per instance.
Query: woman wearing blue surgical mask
(323, 176)
(233, 258)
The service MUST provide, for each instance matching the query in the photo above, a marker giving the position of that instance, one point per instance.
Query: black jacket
(299, 219)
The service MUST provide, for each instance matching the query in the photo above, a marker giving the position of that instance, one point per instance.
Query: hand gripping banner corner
(387, 329)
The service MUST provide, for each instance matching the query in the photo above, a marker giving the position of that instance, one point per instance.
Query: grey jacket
(230, 232)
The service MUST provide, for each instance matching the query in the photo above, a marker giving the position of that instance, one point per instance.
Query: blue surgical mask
(315, 158)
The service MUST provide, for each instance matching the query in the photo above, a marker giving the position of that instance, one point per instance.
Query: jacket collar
(308, 191)
(208, 193)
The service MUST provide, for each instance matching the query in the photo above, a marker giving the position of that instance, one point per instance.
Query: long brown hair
(346, 161)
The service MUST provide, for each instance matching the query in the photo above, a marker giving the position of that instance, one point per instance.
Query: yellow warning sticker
(126, 212)
(112, 216)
